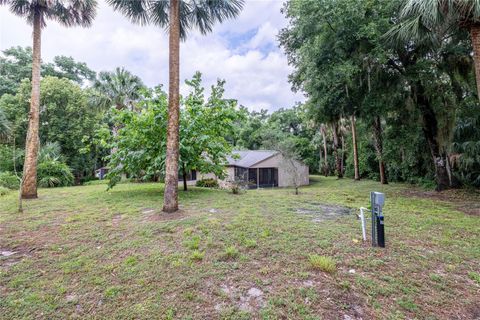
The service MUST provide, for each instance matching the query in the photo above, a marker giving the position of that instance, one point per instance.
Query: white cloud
(244, 51)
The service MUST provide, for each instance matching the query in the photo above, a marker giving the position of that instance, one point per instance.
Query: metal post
(374, 217)
(377, 200)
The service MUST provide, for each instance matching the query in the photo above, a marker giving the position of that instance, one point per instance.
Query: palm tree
(428, 21)
(118, 89)
(36, 12)
(178, 16)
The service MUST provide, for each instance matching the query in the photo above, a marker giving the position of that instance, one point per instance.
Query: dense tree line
(391, 83)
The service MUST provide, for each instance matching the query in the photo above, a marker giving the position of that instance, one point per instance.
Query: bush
(6, 158)
(237, 186)
(207, 183)
(322, 263)
(9, 180)
(4, 191)
(54, 174)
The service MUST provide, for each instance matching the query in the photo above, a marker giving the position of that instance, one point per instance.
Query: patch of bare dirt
(321, 211)
(151, 215)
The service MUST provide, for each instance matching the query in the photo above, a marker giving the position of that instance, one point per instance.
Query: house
(100, 173)
(261, 169)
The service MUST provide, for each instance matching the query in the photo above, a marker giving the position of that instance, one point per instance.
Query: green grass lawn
(83, 252)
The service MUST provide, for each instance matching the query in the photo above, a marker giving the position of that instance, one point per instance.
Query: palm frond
(67, 12)
(75, 13)
(138, 11)
(119, 88)
(194, 14)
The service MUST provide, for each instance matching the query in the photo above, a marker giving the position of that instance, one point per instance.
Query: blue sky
(244, 51)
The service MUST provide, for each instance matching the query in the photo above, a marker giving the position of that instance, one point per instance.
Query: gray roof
(248, 158)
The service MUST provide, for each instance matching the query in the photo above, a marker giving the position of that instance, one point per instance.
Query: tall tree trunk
(320, 160)
(338, 159)
(170, 198)
(325, 150)
(355, 148)
(184, 175)
(29, 179)
(475, 35)
(443, 177)
(342, 162)
(378, 144)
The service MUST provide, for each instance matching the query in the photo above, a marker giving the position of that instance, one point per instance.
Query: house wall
(229, 176)
(285, 178)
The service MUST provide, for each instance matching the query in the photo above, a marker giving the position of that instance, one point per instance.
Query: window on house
(241, 174)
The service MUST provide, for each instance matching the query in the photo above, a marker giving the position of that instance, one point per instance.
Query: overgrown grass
(82, 252)
(323, 263)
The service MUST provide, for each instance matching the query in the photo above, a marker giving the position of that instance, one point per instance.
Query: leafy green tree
(16, 65)
(335, 47)
(179, 16)
(118, 89)
(5, 126)
(423, 21)
(67, 118)
(204, 124)
(466, 145)
(442, 64)
(36, 12)
(67, 67)
(249, 130)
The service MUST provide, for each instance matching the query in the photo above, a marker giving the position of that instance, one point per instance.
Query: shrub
(322, 263)
(54, 174)
(237, 186)
(4, 191)
(9, 180)
(207, 183)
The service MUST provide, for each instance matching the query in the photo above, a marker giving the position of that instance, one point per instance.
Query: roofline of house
(276, 153)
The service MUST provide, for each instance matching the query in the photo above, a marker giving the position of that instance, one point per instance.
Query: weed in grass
(264, 270)
(323, 263)
(474, 276)
(266, 233)
(111, 292)
(169, 314)
(214, 222)
(167, 229)
(189, 295)
(193, 243)
(188, 231)
(130, 261)
(231, 252)
(197, 255)
(250, 243)
(436, 277)
(344, 285)
(408, 304)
